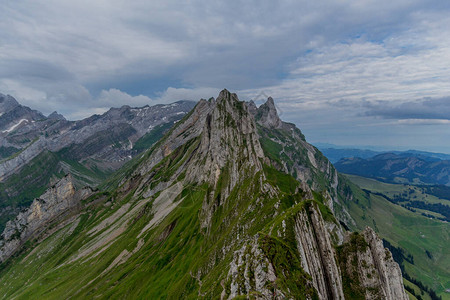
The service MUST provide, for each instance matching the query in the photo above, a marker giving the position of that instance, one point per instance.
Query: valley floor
(425, 238)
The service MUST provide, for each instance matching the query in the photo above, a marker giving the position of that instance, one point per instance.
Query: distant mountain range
(399, 168)
(334, 154)
(39, 150)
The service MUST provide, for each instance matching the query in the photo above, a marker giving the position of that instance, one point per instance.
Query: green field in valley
(427, 240)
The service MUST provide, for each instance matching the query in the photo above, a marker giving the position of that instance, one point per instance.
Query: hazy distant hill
(334, 154)
(398, 168)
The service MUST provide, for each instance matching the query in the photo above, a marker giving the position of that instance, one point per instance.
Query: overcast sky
(372, 73)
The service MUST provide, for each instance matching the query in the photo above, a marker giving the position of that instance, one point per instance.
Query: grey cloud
(33, 69)
(313, 56)
(241, 44)
(427, 108)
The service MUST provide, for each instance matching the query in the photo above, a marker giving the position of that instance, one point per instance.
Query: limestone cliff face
(267, 114)
(229, 136)
(369, 270)
(229, 149)
(317, 253)
(32, 221)
(225, 144)
(361, 267)
(390, 275)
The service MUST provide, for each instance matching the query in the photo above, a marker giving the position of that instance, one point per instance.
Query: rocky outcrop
(390, 275)
(361, 267)
(229, 140)
(227, 146)
(56, 116)
(7, 103)
(250, 270)
(369, 270)
(267, 115)
(317, 253)
(30, 222)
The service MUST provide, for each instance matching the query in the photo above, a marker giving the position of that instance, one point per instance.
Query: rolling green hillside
(426, 239)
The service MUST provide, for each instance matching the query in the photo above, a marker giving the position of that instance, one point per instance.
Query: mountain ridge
(41, 150)
(204, 214)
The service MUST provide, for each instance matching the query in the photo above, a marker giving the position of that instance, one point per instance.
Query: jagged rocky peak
(226, 131)
(267, 115)
(252, 108)
(56, 116)
(32, 221)
(7, 103)
(229, 139)
(217, 140)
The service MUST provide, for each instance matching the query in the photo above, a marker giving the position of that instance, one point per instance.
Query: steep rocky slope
(208, 212)
(55, 203)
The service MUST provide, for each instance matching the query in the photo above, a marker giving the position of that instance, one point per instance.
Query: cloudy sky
(364, 73)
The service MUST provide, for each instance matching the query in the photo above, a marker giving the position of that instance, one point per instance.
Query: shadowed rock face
(389, 280)
(366, 270)
(7, 103)
(56, 201)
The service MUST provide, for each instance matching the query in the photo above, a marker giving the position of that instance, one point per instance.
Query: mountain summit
(226, 204)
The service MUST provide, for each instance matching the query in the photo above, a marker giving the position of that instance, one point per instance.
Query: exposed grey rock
(306, 162)
(389, 272)
(250, 270)
(252, 108)
(370, 268)
(227, 133)
(7, 103)
(267, 115)
(317, 254)
(56, 116)
(30, 222)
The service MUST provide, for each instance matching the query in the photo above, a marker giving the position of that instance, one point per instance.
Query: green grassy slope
(171, 254)
(406, 229)
(36, 174)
